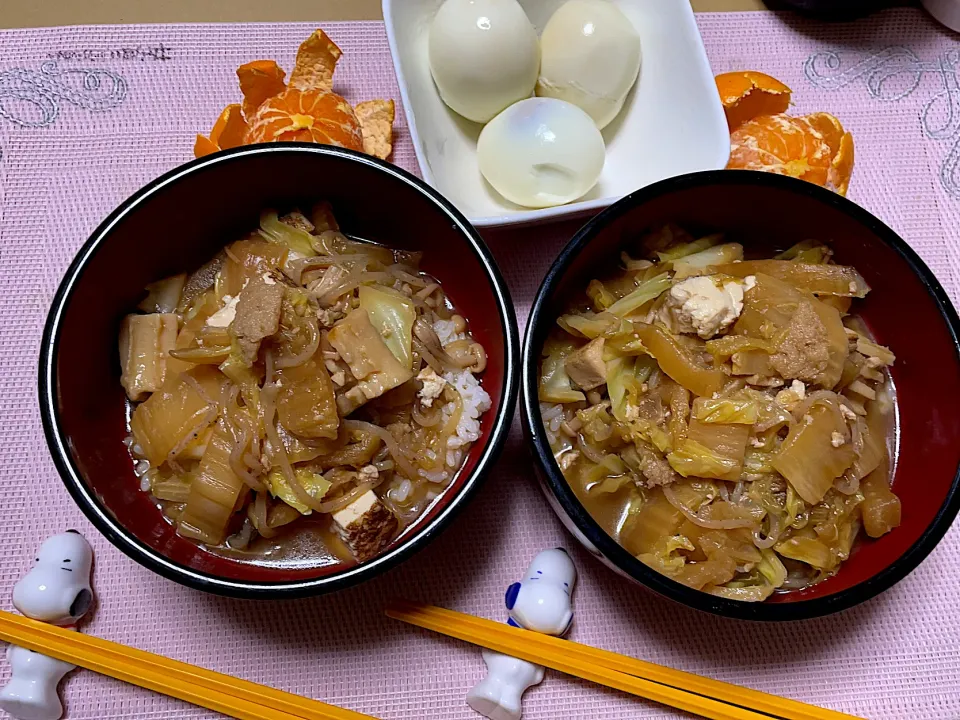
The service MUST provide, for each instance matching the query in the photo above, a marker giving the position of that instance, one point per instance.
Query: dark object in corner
(834, 9)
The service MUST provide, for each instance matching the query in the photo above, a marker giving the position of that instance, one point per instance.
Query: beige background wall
(36, 13)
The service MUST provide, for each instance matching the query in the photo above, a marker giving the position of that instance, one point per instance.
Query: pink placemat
(89, 115)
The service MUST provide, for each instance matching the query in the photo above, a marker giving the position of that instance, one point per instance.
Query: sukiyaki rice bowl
(740, 393)
(278, 370)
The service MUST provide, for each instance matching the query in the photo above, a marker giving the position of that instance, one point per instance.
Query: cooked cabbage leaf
(393, 315)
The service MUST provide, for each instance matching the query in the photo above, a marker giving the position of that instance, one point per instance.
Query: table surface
(31, 13)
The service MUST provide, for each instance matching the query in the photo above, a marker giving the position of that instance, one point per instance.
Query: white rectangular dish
(672, 121)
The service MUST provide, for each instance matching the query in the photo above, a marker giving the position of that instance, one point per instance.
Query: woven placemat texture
(89, 115)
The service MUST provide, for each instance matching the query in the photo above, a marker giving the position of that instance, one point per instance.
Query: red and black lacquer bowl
(174, 225)
(907, 310)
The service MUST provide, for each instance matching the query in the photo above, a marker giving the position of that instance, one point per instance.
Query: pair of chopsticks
(215, 691)
(682, 690)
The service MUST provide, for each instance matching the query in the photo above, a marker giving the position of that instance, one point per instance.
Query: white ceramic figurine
(56, 591)
(540, 602)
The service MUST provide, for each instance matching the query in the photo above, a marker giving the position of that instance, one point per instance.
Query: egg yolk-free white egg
(484, 56)
(541, 152)
(590, 56)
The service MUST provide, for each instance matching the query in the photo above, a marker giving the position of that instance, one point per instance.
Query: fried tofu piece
(258, 314)
(365, 526)
(376, 123)
(298, 220)
(316, 60)
(145, 341)
(585, 366)
(369, 359)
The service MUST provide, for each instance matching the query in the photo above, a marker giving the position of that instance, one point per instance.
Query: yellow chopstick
(215, 691)
(693, 693)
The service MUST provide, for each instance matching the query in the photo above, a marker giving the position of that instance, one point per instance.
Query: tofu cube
(365, 526)
(586, 366)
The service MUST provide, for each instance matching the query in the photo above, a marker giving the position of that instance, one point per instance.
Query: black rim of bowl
(606, 545)
(103, 519)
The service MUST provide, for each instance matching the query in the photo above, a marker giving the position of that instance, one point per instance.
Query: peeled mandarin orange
(306, 116)
(781, 144)
(813, 148)
(259, 80)
(748, 94)
(306, 110)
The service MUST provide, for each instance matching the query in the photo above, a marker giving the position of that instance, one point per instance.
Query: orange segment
(230, 128)
(316, 61)
(829, 127)
(841, 149)
(748, 94)
(259, 80)
(781, 144)
(203, 146)
(306, 116)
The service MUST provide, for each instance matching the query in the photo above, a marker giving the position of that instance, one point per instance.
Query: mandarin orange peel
(305, 109)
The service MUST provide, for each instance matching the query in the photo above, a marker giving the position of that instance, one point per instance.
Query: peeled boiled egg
(541, 152)
(590, 56)
(484, 55)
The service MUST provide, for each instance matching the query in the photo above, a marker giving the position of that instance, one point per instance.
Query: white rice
(145, 483)
(475, 402)
(454, 457)
(549, 412)
(473, 397)
(435, 476)
(446, 331)
(400, 492)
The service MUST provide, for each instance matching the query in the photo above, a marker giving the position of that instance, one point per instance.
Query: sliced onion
(773, 533)
(239, 466)
(349, 283)
(590, 453)
(389, 440)
(425, 420)
(331, 506)
(268, 396)
(401, 273)
(824, 397)
(847, 484)
(696, 519)
(421, 350)
(308, 351)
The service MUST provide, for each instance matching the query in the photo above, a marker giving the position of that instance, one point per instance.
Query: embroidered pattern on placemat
(893, 74)
(32, 99)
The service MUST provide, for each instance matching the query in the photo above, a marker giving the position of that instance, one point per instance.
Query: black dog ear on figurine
(56, 590)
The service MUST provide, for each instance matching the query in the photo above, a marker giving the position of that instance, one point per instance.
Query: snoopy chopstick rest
(56, 591)
(540, 602)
